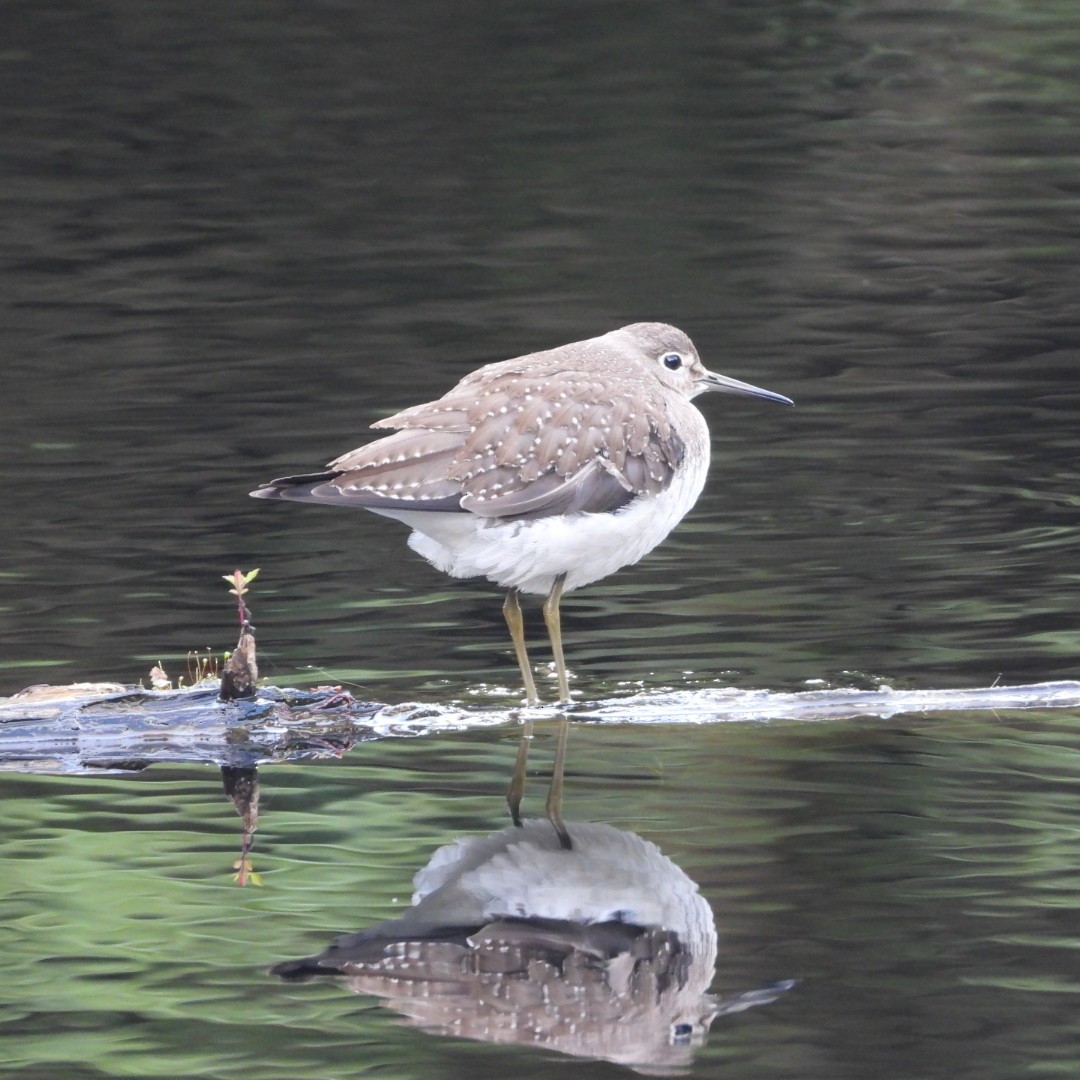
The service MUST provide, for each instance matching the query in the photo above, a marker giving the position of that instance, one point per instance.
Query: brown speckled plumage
(600, 435)
(569, 430)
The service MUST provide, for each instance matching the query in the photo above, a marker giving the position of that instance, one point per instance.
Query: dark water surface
(237, 234)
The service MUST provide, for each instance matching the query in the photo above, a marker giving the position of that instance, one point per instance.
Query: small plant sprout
(200, 667)
(240, 582)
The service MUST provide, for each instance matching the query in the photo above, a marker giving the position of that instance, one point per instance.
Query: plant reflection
(242, 787)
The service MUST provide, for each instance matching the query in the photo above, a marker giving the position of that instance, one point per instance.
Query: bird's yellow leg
(554, 628)
(516, 791)
(516, 625)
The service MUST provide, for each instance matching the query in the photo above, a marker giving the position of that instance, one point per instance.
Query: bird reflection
(516, 792)
(604, 950)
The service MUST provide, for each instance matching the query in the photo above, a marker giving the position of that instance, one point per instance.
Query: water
(916, 877)
(236, 236)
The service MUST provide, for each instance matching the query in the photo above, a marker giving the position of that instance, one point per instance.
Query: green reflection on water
(883, 863)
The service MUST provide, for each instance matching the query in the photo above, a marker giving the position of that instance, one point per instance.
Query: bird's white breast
(608, 875)
(530, 554)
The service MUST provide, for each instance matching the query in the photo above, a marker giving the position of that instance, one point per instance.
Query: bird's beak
(712, 381)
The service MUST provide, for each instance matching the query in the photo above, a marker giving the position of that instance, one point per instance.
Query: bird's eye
(682, 1032)
(673, 361)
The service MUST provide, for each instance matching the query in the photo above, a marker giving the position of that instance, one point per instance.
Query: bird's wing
(406, 470)
(531, 452)
(506, 447)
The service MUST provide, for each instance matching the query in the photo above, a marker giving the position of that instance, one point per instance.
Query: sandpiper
(543, 473)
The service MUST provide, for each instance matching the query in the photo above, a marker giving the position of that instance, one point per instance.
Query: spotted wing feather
(406, 469)
(534, 453)
(503, 444)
